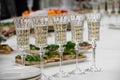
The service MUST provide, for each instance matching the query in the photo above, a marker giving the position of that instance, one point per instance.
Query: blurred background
(12, 8)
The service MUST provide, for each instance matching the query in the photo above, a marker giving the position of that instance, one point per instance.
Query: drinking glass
(77, 21)
(102, 6)
(22, 27)
(29, 4)
(40, 24)
(109, 6)
(109, 10)
(95, 6)
(60, 28)
(93, 20)
(116, 6)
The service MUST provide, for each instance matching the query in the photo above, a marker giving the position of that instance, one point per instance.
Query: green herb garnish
(33, 47)
(6, 23)
(69, 45)
(52, 47)
(29, 58)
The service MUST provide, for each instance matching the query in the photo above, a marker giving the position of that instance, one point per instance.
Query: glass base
(93, 69)
(77, 72)
(46, 77)
(61, 74)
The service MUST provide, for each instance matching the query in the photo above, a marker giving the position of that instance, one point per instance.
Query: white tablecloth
(107, 56)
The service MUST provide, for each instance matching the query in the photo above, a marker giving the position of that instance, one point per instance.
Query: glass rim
(77, 17)
(20, 18)
(58, 19)
(22, 22)
(93, 16)
(40, 20)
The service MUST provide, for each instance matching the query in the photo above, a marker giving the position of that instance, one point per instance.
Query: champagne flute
(30, 4)
(102, 6)
(95, 7)
(109, 10)
(93, 20)
(77, 21)
(60, 27)
(116, 6)
(22, 27)
(109, 6)
(40, 24)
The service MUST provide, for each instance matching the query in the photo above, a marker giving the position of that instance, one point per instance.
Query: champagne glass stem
(94, 68)
(61, 57)
(23, 58)
(77, 54)
(77, 63)
(61, 71)
(94, 53)
(42, 62)
(77, 70)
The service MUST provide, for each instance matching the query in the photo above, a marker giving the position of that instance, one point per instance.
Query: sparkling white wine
(93, 30)
(22, 38)
(77, 33)
(60, 33)
(41, 35)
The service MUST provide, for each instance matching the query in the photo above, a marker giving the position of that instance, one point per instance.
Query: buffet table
(107, 56)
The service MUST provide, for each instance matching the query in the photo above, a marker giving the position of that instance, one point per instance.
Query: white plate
(39, 13)
(6, 20)
(18, 72)
(45, 13)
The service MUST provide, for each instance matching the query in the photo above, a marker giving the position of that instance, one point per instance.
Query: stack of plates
(19, 72)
